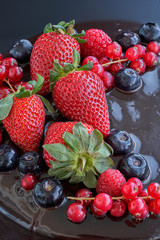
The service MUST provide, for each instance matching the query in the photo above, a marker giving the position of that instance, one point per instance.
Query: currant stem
(113, 198)
(7, 81)
(117, 61)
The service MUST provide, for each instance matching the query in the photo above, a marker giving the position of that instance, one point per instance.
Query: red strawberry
(54, 134)
(80, 96)
(48, 47)
(96, 42)
(24, 117)
(76, 151)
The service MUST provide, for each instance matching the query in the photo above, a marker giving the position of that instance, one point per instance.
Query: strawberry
(23, 115)
(80, 95)
(76, 151)
(53, 44)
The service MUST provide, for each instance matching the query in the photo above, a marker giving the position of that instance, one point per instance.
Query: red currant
(76, 212)
(130, 190)
(122, 56)
(132, 53)
(4, 91)
(15, 74)
(118, 208)
(89, 59)
(154, 206)
(138, 65)
(0, 136)
(23, 84)
(108, 80)
(3, 72)
(153, 47)
(85, 193)
(144, 193)
(29, 181)
(141, 50)
(138, 208)
(1, 58)
(96, 211)
(150, 59)
(104, 60)
(115, 67)
(98, 69)
(9, 62)
(113, 50)
(154, 190)
(103, 202)
(137, 181)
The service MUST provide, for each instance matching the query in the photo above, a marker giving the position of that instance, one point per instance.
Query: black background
(23, 19)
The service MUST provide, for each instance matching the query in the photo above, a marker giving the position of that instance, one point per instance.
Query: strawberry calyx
(83, 157)
(7, 102)
(65, 28)
(61, 71)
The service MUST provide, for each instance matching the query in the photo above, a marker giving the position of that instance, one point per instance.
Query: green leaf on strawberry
(59, 71)
(82, 158)
(6, 105)
(48, 28)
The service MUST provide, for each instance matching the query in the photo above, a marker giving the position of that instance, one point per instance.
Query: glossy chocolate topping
(138, 114)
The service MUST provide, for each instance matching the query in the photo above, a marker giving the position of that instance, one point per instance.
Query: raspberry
(96, 42)
(111, 182)
(118, 208)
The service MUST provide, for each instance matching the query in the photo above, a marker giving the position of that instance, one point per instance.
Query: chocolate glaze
(137, 113)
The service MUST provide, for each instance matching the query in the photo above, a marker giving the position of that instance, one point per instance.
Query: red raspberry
(76, 212)
(118, 208)
(111, 182)
(108, 80)
(96, 42)
(84, 192)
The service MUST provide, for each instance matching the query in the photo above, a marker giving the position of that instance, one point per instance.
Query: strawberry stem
(117, 61)
(7, 81)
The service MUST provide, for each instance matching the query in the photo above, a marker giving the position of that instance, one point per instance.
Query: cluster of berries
(131, 195)
(139, 56)
(10, 74)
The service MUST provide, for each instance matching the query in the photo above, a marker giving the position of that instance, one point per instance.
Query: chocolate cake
(139, 115)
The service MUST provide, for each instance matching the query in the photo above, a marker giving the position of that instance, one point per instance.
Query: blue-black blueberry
(128, 39)
(149, 32)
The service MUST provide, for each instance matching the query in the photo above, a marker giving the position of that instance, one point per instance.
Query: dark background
(22, 19)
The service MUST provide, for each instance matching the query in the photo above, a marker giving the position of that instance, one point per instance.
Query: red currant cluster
(10, 74)
(139, 56)
(138, 201)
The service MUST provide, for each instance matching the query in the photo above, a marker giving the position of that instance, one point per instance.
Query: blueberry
(8, 158)
(128, 80)
(134, 165)
(120, 141)
(149, 32)
(48, 193)
(46, 127)
(128, 39)
(30, 162)
(21, 51)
